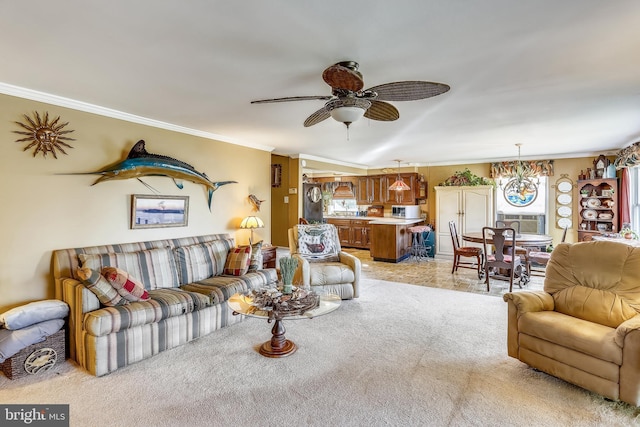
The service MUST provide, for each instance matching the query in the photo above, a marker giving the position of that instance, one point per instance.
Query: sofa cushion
(318, 242)
(163, 303)
(155, 268)
(256, 257)
(220, 288)
(128, 287)
(567, 331)
(198, 262)
(330, 273)
(237, 262)
(102, 289)
(34, 312)
(595, 281)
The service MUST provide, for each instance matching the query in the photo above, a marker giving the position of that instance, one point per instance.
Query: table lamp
(251, 222)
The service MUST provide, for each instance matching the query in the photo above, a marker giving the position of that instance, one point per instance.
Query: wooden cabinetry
(353, 233)
(598, 207)
(268, 257)
(374, 190)
(470, 207)
(390, 242)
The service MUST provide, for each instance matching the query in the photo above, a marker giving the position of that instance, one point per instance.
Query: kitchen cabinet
(598, 207)
(390, 242)
(372, 190)
(470, 207)
(353, 233)
(407, 197)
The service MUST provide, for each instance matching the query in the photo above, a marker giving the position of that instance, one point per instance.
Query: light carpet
(400, 355)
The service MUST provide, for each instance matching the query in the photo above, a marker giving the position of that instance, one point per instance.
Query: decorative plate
(564, 211)
(605, 216)
(564, 199)
(593, 203)
(565, 187)
(589, 214)
(564, 223)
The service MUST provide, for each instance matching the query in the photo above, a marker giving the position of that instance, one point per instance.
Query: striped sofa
(188, 298)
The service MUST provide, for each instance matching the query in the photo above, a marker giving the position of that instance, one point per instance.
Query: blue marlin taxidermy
(140, 163)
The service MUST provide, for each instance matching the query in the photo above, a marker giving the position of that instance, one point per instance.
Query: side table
(269, 257)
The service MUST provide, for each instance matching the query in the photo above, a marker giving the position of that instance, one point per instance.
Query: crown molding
(73, 104)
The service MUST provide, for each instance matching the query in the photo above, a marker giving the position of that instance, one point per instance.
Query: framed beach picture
(159, 211)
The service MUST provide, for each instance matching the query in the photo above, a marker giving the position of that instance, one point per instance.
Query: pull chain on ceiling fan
(348, 101)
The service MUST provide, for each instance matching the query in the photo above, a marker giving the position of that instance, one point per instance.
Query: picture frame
(159, 211)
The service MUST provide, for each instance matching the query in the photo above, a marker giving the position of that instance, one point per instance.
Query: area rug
(400, 355)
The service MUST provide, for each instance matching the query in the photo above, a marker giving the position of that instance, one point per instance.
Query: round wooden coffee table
(279, 346)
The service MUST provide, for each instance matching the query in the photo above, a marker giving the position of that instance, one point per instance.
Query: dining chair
(515, 224)
(467, 251)
(541, 257)
(497, 261)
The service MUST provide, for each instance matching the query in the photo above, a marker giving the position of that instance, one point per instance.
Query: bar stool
(420, 249)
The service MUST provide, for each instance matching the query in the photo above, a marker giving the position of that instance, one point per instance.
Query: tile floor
(434, 273)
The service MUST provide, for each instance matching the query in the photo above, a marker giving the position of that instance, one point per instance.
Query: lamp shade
(252, 222)
(399, 185)
(347, 110)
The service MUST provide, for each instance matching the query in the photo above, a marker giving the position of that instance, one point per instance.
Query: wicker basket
(36, 358)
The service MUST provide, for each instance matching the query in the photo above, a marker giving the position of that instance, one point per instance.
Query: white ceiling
(560, 77)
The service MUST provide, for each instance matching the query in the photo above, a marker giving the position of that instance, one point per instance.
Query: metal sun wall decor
(139, 163)
(44, 137)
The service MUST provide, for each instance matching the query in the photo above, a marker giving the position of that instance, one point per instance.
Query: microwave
(407, 211)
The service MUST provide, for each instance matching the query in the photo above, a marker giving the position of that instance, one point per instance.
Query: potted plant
(628, 233)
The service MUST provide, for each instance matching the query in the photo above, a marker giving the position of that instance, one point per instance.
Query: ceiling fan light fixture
(347, 110)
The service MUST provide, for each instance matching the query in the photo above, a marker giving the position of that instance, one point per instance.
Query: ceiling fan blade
(409, 90)
(317, 117)
(382, 111)
(339, 76)
(293, 98)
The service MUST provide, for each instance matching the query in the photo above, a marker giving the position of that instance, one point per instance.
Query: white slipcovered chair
(322, 265)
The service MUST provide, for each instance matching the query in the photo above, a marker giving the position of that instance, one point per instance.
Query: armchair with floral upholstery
(322, 265)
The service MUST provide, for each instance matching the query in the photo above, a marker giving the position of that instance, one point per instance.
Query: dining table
(522, 239)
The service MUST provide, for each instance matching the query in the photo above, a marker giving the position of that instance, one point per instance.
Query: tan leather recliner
(322, 265)
(584, 327)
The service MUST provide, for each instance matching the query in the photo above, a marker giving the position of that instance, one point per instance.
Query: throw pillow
(97, 284)
(128, 287)
(34, 312)
(318, 242)
(238, 259)
(256, 257)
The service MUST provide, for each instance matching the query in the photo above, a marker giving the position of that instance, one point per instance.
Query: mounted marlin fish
(140, 163)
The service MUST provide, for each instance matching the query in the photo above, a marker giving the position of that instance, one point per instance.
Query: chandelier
(522, 189)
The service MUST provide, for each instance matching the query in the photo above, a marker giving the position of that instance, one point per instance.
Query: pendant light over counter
(399, 185)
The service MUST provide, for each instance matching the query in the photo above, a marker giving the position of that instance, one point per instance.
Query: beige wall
(44, 208)
(571, 167)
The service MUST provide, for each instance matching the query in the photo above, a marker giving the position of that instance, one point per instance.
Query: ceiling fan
(348, 101)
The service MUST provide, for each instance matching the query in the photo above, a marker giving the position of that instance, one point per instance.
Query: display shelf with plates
(598, 206)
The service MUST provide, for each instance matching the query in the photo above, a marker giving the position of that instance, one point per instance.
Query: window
(634, 203)
(532, 217)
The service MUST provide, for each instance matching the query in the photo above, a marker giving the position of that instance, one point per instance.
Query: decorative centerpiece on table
(278, 304)
(628, 233)
(288, 267)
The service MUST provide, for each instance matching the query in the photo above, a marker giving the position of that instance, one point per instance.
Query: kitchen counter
(378, 219)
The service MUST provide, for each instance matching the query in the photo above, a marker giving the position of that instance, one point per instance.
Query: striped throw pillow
(97, 284)
(238, 259)
(128, 287)
(201, 261)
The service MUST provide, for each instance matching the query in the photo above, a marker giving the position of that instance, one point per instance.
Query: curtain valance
(628, 156)
(529, 168)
